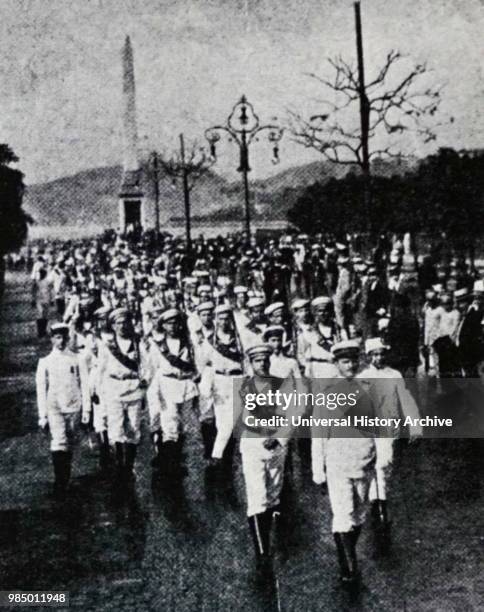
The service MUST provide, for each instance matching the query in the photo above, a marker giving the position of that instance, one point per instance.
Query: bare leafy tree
(395, 101)
(187, 166)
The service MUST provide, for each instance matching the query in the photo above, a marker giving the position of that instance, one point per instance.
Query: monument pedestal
(131, 203)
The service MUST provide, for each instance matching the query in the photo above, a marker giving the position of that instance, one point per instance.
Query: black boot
(383, 514)
(129, 458)
(61, 463)
(209, 433)
(119, 453)
(374, 514)
(104, 452)
(169, 458)
(67, 468)
(346, 550)
(382, 529)
(228, 459)
(157, 438)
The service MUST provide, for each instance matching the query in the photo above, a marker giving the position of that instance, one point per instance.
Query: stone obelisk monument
(131, 213)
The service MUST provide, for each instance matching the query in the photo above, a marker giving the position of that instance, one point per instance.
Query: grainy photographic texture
(241, 305)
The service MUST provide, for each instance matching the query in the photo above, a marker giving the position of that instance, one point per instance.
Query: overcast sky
(60, 69)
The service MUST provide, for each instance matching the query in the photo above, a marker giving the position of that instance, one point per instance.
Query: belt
(318, 360)
(124, 377)
(179, 376)
(232, 372)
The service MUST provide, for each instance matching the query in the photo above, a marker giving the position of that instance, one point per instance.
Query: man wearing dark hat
(62, 396)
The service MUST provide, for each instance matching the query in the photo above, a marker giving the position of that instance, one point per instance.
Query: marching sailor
(173, 386)
(394, 401)
(226, 360)
(122, 373)
(349, 460)
(62, 396)
(263, 450)
(202, 343)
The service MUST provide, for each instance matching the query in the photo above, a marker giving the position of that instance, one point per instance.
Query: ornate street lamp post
(243, 127)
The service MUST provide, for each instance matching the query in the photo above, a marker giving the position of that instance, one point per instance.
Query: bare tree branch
(393, 108)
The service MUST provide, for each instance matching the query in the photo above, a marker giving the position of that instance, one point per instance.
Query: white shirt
(62, 383)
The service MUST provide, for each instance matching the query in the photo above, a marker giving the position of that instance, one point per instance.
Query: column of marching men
(168, 334)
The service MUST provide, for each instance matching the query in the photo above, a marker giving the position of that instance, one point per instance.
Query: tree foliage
(445, 194)
(13, 219)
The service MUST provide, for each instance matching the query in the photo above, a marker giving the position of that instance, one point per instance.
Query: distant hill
(90, 196)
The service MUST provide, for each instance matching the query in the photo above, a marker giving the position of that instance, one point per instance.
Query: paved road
(187, 548)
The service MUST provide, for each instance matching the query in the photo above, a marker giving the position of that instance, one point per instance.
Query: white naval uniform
(263, 469)
(62, 394)
(219, 384)
(349, 469)
(394, 401)
(203, 350)
(170, 388)
(90, 354)
(121, 389)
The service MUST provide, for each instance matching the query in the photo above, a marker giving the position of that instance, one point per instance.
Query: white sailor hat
(299, 303)
(274, 307)
(438, 288)
(59, 328)
(273, 330)
(255, 293)
(341, 247)
(119, 314)
(342, 259)
(375, 344)
(223, 309)
(255, 302)
(383, 323)
(168, 315)
(322, 300)
(200, 273)
(204, 288)
(258, 349)
(190, 280)
(102, 312)
(205, 306)
(478, 286)
(461, 294)
(345, 348)
(240, 289)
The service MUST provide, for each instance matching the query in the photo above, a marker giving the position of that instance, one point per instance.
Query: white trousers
(383, 468)
(223, 405)
(64, 429)
(263, 474)
(348, 498)
(124, 420)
